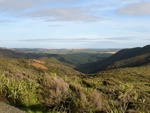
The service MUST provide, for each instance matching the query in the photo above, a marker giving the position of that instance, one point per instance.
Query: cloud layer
(45, 10)
(16, 5)
(61, 40)
(71, 10)
(136, 9)
(81, 39)
(63, 14)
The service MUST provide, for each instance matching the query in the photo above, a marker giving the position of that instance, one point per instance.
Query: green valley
(76, 82)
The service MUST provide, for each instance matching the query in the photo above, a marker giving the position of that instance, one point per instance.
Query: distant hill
(64, 51)
(123, 58)
(8, 53)
(74, 57)
(82, 58)
(87, 62)
(46, 84)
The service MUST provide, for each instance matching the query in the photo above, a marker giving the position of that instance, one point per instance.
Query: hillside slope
(76, 58)
(47, 85)
(8, 53)
(124, 58)
(33, 67)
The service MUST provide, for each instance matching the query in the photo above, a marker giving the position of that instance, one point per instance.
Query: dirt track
(4, 108)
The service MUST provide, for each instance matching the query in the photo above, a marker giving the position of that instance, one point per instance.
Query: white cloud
(60, 40)
(137, 9)
(61, 10)
(63, 14)
(47, 11)
(15, 5)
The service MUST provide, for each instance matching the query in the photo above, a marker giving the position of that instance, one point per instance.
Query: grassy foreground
(114, 91)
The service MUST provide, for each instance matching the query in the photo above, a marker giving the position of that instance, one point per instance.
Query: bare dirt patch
(39, 66)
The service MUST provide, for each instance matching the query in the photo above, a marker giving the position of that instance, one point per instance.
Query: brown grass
(86, 101)
(39, 61)
(96, 100)
(53, 90)
(39, 66)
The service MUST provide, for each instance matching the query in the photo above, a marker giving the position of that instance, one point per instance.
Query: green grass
(61, 89)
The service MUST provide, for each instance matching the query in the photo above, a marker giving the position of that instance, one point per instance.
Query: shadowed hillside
(74, 57)
(123, 58)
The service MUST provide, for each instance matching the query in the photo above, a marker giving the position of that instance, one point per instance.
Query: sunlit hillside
(48, 85)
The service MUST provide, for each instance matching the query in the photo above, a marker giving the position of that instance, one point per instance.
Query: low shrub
(52, 90)
(18, 92)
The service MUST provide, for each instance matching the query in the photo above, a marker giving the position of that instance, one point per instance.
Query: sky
(74, 23)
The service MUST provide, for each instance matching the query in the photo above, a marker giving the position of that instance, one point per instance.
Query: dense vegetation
(47, 85)
(123, 58)
(108, 91)
(82, 58)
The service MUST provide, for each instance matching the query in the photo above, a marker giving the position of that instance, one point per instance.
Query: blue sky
(74, 23)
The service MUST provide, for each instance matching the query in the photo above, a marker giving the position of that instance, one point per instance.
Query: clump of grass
(88, 83)
(85, 100)
(127, 94)
(52, 90)
(18, 92)
(112, 82)
(96, 100)
(122, 97)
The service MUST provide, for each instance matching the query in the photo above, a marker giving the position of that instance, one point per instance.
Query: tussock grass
(52, 90)
(18, 92)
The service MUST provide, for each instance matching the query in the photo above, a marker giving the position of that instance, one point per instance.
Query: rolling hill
(123, 58)
(9, 53)
(74, 57)
(32, 67)
(49, 85)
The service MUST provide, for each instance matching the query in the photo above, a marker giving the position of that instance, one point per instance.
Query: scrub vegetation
(47, 85)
